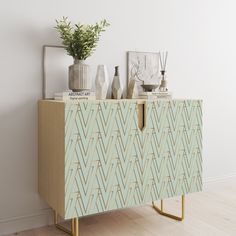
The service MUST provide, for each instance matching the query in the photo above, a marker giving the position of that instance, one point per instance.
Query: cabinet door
(173, 163)
(111, 163)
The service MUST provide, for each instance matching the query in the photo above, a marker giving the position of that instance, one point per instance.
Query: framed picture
(55, 70)
(143, 67)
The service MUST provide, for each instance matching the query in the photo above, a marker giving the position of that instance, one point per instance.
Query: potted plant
(80, 42)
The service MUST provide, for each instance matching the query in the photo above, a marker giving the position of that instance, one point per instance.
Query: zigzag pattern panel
(173, 162)
(110, 163)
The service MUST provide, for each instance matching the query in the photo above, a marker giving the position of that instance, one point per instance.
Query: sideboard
(102, 155)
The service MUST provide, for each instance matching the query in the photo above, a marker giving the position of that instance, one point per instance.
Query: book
(71, 93)
(158, 93)
(156, 96)
(74, 96)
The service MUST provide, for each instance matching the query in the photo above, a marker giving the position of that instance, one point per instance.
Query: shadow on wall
(19, 164)
(18, 123)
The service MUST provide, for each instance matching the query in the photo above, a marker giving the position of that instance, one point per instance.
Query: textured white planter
(79, 76)
(101, 82)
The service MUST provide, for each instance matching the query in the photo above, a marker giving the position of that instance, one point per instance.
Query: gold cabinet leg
(161, 211)
(74, 226)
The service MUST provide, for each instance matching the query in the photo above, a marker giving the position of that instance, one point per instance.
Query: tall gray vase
(116, 85)
(79, 76)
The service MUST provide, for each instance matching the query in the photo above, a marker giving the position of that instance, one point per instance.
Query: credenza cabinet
(100, 155)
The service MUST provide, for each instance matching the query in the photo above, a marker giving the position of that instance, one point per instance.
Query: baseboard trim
(43, 217)
(219, 179)
(15, 224)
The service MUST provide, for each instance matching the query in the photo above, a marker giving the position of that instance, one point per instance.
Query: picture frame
(55, 63)
(143, 67)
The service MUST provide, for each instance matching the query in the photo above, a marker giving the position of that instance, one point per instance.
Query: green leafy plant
(81, 40)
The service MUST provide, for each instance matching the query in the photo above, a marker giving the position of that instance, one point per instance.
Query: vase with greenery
(80, 42)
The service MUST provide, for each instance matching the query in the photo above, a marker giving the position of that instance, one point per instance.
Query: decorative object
(163, 60)
(116, 85)
(143, 67)
(155, 95)
(132, 89)
(149, 87)
(74, 96)
(101, 82)
(79, 76)
(163, 85)
(54, 75)
(95, 157)
(80, 42)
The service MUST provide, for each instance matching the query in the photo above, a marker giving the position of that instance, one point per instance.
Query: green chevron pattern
(110, 163)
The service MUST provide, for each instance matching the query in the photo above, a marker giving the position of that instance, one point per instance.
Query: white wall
(199, 35)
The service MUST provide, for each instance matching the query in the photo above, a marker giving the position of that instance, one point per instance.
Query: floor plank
(211, 212)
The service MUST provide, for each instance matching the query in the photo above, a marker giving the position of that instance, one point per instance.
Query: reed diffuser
(163, 60)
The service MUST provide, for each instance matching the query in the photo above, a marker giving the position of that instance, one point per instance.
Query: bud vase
(116, 85)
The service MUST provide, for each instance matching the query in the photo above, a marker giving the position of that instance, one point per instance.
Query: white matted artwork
(143, 67)
(56, 70)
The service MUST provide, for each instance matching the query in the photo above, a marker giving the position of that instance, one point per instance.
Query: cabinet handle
(142, 116)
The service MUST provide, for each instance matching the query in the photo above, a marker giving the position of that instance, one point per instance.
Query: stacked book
(75, 96)
(155, 95)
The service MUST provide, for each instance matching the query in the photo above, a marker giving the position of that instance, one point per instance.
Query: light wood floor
(211, 213)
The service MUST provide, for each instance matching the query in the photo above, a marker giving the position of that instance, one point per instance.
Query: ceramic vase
(116, 85)
(132, 89)
(101, 82)
(79, 76)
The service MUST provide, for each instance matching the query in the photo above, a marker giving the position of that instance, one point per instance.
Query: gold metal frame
(74, 226)
(161, 211)
(75, 222)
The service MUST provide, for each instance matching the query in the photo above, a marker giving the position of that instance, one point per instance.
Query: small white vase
(79, 76)
(132, 89)
(101, 82)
